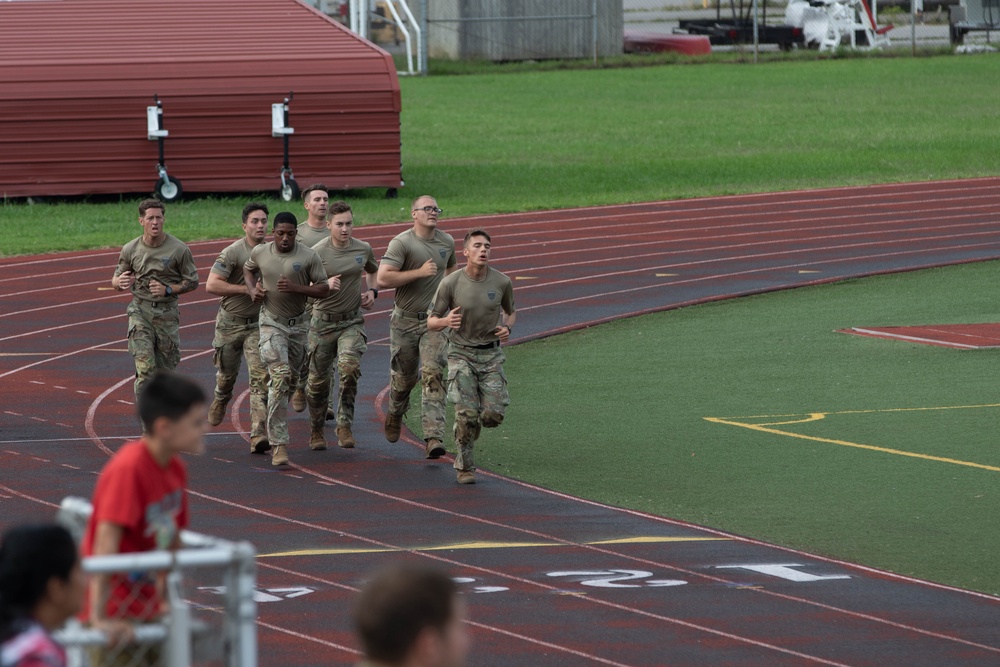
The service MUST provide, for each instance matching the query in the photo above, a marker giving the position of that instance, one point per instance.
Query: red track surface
(542, 598)
(958, 336)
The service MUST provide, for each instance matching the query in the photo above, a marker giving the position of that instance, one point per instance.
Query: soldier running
(237, 333)
(337, 333)
(470, 302)
(155, 267)
(414, 264)
(312, 230)
(289, 273)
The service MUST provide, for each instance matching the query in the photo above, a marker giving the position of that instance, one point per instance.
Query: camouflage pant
(153, 338)
(341, 343)
(282, 349)
(237, 338)
(478, 388)
(413, 348)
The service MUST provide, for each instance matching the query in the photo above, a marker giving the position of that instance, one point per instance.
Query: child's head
(173, 411)
(40, 577)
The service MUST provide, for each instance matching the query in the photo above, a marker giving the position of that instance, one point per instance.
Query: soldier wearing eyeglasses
(414, 264)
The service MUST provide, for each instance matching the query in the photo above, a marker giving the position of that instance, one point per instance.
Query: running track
(551, 580)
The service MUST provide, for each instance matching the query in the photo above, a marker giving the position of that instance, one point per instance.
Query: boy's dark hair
(477, 232)
(284, 218)
(397, 605)
(254, 206)
(338, 207)
(315, 186)
(147, 204)
(169, 395)
(29, 557)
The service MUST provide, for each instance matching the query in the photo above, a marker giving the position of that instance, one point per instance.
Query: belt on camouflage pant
(337, 317)
(285, 321)
(409, 315)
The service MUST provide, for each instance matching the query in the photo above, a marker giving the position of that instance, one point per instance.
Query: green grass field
(777, 354)
(537, 140)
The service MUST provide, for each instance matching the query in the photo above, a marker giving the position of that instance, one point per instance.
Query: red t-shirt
(150, 503)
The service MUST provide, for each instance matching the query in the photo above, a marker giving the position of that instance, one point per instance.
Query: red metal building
(77, 76)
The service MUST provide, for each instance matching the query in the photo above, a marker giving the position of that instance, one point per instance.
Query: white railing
(223, 634)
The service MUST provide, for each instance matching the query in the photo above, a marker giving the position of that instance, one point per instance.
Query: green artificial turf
(629, 427)
(538, 140)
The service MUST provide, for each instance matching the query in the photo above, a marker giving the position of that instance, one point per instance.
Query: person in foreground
(141, 504)
(412, 616)
(470, 302)
(41, 587)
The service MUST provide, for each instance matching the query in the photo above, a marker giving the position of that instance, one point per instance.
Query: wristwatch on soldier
(168, 290)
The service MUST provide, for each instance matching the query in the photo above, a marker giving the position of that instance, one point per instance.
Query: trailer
(139, 96)
(738, 27)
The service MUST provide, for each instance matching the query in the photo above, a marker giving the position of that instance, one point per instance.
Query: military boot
(280, 456)
(317, 441)
(259, 445)
(393, 425)
(434, 449)
(299, 400)
(216, 412)
(345, 438)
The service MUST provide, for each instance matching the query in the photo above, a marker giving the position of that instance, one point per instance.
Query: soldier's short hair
(254, 206)
(312, 188)
(147, 204)
(167, 394)
(338, 207)
(284, 218)
(395, 607)
(413, 205)
(477, 232)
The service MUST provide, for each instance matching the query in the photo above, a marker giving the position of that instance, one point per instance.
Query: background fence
(510, 30)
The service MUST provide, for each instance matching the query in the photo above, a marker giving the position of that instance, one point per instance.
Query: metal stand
(279, 128)
(167, 188)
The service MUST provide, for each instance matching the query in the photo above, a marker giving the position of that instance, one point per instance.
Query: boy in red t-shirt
(140, 502)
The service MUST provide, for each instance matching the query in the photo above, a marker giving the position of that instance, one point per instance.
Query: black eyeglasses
(429, 209)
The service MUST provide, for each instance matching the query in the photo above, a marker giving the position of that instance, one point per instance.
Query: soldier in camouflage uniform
(316, 200)
(289, 274)
(155, 267)
(477, 304)
(337, 334)
(413, 265)
(237, 334)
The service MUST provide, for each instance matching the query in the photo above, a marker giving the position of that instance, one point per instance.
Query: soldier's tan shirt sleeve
(507, 303)
(189, 272)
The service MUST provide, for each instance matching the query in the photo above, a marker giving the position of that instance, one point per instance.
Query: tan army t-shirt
(350, 263)
(229, 266)
(480, 301)
(308, 236)
(302, 265)
(170, 262)
(407, 252)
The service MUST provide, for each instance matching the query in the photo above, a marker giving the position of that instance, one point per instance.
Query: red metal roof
(76, 77)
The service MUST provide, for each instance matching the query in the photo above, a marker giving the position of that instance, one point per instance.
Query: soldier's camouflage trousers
(414, 349)
(153, 338)
(477, 387)
(334, 346)
(238, 338)
(282, 349)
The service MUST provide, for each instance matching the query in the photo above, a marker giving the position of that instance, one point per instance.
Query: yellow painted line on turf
(666, 275)
(104, 289)
(858, 445)
(808, 271)
(813, 417)
(525, 278)
(866, 412)
(491, 545)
